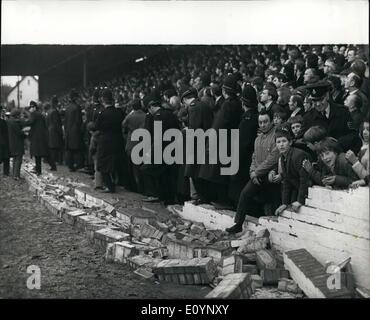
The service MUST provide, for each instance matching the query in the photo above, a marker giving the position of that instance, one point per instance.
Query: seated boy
(333, 170)
(295, 180)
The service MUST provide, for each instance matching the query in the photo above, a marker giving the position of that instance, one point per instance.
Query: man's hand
(306, 164)
(351, 157)
(280, 209)
(358, 183)
(328, 181)
(296, 205)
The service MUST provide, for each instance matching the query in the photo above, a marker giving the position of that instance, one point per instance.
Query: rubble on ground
(168, 247)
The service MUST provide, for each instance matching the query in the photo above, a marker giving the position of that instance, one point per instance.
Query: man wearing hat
(92, 112)
(4, 144)
(16, 141)
(38, 136)
(227, 118)
(200, 116)
(334, 118)
(110, 142)
(162, 178)
(247, 134)
(55, 132)
(73, 133)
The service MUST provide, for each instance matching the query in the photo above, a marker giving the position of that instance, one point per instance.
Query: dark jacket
(110, 142)
(55, 130)
(4, 140)
(248, 128)
(133, 121)
(338, 125)
(38, 135)
(227, 118)
(295, 179)
(16, 137)
(73, 127)
(344, 174)
(200, 116)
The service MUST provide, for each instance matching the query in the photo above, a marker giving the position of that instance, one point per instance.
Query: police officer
(335, 118)
(110, 142)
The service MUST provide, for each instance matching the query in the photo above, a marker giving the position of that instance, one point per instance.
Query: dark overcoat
(227, 118)
(38, 135)
(73, 127)
(16, 137)
(55, 129)
(200, 116)
(248, 128)
(4, 140)
(110, 142)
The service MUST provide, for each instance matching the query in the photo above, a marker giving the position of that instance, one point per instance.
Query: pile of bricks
(189, 271)
(177, 250)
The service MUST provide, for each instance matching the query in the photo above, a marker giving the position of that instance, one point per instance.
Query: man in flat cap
(334, 118)
(73, 130)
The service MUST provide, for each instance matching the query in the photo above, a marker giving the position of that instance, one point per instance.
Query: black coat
(16, 137)
(4, 140)
(38, 135)
(248, 128)
(296, 180)
(168, 121)
(227, 118)
(338, 125)
(55, 130)
(200, 116)
(73, 127)
(110, 142)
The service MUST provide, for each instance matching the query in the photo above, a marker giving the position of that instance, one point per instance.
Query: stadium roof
(42, 59)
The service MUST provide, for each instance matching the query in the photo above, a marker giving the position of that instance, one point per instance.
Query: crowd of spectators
(302, 113)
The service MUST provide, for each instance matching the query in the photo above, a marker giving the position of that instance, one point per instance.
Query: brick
(230, 287)
(148, 231)
(147, 262)
(312, 286)
(248, 258)
(202, 270)
(218, 250)
(257, 244)
(108, 235)
(265, 259)
(136, 215)
(272, 276)
(142, 272)
(70, 217)
(250, 268)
